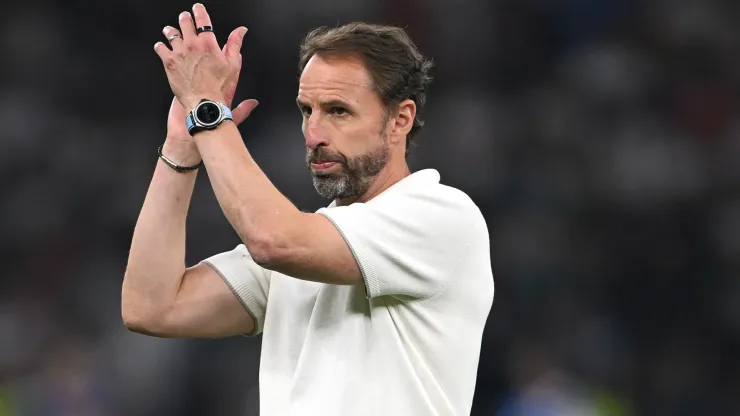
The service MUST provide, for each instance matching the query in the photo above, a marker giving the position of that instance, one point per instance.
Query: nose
(314, 134)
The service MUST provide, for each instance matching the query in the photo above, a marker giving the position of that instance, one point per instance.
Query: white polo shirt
(406, 343)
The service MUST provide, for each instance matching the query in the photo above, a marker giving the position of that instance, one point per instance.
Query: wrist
(190, 102)
(182, 152)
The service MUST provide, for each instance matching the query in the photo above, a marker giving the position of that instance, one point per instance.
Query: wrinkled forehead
(335, 74)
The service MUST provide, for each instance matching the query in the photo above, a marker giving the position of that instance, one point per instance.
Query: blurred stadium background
(601, 139)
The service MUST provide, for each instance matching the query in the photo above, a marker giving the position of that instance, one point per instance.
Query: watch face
(208, 113)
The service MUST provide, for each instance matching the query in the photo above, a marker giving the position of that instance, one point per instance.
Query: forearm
(257, 211)
(278, 236)
(156, 260)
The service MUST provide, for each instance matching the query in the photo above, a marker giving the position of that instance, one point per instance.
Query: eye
(339, 111)
(306, 110)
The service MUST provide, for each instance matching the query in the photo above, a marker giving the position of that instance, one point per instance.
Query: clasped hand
(198, 68)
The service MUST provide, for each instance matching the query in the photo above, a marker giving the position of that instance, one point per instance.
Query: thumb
(230, 92)
(234, 45)
(243, 110)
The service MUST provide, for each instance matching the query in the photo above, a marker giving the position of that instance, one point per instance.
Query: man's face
(344, 124)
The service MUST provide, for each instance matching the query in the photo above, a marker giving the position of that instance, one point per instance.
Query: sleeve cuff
(229, 272)
(362, 255)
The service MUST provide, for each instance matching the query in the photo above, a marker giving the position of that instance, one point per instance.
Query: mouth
(323, 165)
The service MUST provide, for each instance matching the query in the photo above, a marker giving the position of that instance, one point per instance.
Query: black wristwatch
(207, 115)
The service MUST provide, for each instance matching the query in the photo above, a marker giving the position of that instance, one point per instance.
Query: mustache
(323, 155)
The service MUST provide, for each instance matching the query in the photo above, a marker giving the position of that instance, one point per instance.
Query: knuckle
(169, 62)
(211, 46)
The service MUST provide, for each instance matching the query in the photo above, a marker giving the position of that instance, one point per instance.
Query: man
(376, 303)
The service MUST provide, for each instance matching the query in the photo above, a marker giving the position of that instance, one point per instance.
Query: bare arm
(204, 307)
(279, 236)
(159, 296)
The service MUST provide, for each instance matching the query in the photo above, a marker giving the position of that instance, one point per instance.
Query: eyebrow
(330, 103)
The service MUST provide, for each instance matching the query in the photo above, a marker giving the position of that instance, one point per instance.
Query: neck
(385, 179)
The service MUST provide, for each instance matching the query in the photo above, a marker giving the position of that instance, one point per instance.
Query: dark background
(601, 139)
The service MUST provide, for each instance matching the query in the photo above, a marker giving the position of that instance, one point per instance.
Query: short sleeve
(408, 243)
(249, 281)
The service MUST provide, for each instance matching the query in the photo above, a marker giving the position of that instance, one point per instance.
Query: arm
(407, 241)
(278, 235)
(159, 296)
(203, 307)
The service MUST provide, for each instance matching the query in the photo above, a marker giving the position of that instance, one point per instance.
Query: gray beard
(355, 176)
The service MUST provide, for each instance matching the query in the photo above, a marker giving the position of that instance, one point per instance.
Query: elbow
(133, 322)
(134, 319)
(272, 243)
(130, 309)
(144, 324)
(265, 251)
(139, 318)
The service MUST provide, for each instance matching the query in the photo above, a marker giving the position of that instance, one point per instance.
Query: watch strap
(227, 112)
(190, 122)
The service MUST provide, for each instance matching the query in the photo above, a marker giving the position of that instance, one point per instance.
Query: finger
(186, 26)
(243, 110)
(234, 45)
(202, 18)
(230, 91)
(163, 51)
(225, 49)
(173, 36)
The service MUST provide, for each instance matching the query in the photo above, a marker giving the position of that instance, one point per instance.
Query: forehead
(342, 75)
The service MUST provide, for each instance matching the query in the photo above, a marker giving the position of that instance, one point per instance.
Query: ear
(404, 119)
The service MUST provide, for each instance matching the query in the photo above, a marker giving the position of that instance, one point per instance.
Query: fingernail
(165, 29)
(196, 5)
(244, 31)
(184, 15)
